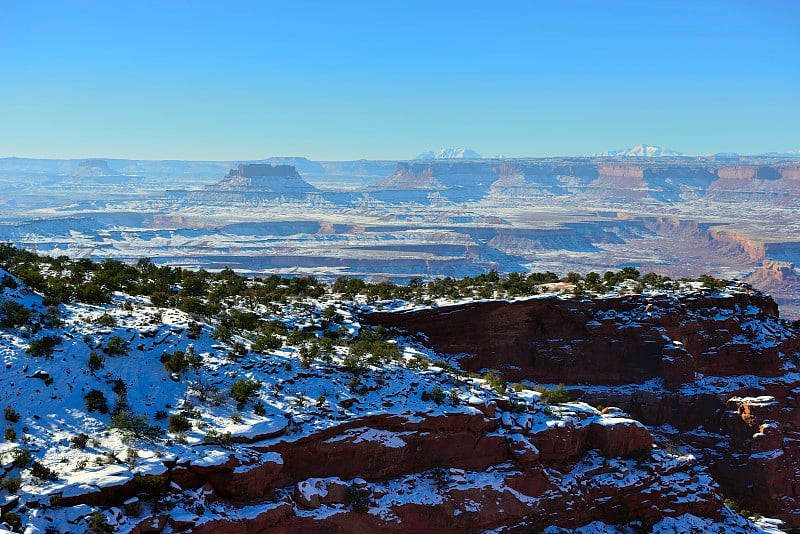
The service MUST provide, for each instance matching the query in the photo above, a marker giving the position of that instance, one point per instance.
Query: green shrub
(242, 390)
(179, 423)
(11, 484)
(553, 396)
(496, 382)
(10, 434)
(265, 343)
(14, 315)
(214, 437)
(153, 486)
(96, 401)
(80, 441)
(99, 524)
(14, 521)
(11, 414)
(96, 361)
(116, 346)
(436, 395)
(135, 427)
(21, 457)
(43, 346)
(105, 320)
(42, 472)
(179, 361)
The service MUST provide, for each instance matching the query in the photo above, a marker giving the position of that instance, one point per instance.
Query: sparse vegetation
(553, 396)
(96, 401)
(80, 441)
(359, 498)
(11, 484)
(11, 414)
(98, 523)
(43, 346)
(42, 472)
(243, 390)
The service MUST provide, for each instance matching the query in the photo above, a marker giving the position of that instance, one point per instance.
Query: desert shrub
(441, 477)
(11, 484)
(11, 414)
(42, 472)
(436, 395)
(14, 315)
(194, 330)
(236, 418)
(96, 401)
(259, 409)
(454, 400)
(116, 346)
(135, 427)
(496, 382)
(242, 390)
(214, 437)
(98, 523)
(10, 434)
(119, 387)
(265, 343)
(160, 415)
(747, 514)
(354, 363)
(553, 396)
(179, 423)
(179, 361)
(43, 346)
(96, 361)
(14, 521)
(358, 498)
(21, 457)
(105, 320)
(80, 441)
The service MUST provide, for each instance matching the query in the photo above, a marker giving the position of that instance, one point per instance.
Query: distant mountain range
(450, 153)
(640, 151)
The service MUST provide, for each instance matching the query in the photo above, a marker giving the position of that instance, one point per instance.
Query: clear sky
(389, 79)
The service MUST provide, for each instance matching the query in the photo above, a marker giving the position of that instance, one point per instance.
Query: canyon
(677, 216)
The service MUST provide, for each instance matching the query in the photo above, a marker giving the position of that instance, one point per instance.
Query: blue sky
(347, 80)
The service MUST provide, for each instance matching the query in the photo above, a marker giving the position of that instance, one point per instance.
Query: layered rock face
(713, 373)
(597, 179)
(256, 181)
(469, 469)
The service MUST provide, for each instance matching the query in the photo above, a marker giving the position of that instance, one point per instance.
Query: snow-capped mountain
(450, 153)
(640, 151)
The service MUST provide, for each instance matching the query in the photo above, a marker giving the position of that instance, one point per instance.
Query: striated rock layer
(712, 373)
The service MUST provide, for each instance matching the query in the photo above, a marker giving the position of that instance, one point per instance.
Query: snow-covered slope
(640, 151)
(450, 153)
(109, 429)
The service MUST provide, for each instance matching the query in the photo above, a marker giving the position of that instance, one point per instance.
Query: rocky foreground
(249, 421)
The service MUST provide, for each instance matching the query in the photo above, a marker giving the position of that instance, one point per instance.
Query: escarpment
(715, 374)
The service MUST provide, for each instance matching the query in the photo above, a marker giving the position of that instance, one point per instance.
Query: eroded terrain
(398, 220)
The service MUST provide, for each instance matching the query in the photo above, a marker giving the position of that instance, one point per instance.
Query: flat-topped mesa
(93, 167)
(254, 182)
(263, 177)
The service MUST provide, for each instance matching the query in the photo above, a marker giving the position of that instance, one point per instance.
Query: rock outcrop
(255, 182)
(721, 372)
